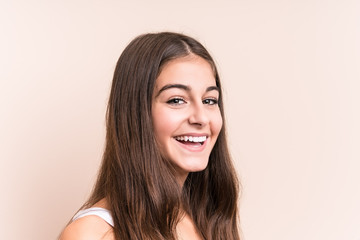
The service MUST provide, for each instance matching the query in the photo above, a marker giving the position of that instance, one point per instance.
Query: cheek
(217, 123)
(165, 123)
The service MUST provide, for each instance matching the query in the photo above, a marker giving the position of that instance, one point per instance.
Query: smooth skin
(184, 104)
(89, 228)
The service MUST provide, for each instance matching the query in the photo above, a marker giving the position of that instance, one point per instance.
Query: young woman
(166, 170)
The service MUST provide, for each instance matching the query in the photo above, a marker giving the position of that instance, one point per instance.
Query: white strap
(100, 212)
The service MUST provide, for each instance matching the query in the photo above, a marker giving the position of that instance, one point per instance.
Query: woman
(166, 170)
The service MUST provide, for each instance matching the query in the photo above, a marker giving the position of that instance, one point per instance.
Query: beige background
(291, 71)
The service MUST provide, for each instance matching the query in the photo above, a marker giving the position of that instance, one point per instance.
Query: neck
(181, 179)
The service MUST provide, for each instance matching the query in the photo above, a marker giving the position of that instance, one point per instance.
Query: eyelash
(177, 100)
(213, 101)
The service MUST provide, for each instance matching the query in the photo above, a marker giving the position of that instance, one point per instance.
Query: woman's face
(185, 113)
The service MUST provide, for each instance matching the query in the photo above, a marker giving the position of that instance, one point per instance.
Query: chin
(200, 166)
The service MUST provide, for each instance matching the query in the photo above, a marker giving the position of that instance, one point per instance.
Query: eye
(176, 101)
(211, 101)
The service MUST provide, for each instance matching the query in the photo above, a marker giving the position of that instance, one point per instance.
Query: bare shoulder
(88, 228)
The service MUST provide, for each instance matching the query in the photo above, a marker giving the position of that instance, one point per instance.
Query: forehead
(191, 70)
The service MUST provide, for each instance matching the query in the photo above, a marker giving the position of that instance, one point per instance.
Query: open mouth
(191, 140)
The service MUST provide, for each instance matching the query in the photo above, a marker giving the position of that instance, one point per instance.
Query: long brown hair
(138, 184)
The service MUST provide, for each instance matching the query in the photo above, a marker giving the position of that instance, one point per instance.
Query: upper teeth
(191, 138)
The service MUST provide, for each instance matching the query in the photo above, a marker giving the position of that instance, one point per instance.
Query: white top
(100, 212)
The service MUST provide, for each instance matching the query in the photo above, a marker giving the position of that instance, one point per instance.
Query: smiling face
(185, 113)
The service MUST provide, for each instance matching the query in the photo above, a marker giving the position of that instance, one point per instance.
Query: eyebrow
(184, 87)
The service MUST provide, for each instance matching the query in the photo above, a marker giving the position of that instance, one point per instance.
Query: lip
(194, 135)
(193, 148)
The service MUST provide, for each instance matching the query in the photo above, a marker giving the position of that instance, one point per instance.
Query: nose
(198, 115)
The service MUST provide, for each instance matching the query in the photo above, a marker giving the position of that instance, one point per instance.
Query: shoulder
(88, 228)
